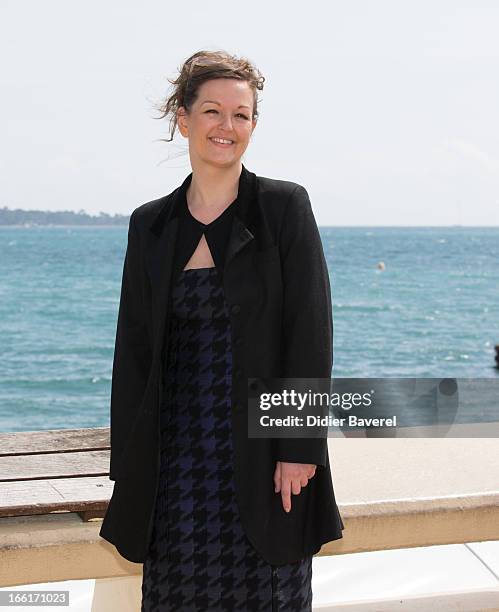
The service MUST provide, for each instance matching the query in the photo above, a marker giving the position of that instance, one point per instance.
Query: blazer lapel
(244, 217)
(239, 237)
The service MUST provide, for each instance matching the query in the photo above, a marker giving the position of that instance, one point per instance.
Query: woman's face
(223, 109)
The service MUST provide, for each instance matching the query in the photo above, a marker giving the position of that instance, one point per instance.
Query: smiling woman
(224, 279)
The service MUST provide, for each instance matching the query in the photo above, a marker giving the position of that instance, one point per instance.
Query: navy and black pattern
(199, 557)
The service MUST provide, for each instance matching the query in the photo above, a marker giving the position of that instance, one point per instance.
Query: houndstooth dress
(199, 556)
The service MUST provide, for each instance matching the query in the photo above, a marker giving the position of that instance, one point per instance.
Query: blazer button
(237, 373)
(235, 308)
(238, 341)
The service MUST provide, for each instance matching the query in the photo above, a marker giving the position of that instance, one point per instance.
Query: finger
(304, 481)
(296, 486)
(286, 495)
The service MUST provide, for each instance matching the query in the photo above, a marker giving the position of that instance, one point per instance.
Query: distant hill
(29, 218)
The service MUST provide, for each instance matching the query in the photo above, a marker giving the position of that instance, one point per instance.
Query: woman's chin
(226, 159)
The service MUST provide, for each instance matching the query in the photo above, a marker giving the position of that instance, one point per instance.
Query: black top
(190, 231)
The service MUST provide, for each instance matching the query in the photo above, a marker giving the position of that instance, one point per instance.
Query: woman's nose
(226, 122)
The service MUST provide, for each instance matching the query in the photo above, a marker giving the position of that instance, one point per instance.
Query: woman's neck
(212, 189)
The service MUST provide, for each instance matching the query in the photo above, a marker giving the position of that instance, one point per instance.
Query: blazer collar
(246, 202)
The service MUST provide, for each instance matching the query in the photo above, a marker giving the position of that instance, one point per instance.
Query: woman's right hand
(290, 478)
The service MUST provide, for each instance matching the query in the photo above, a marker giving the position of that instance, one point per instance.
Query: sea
(407, 302)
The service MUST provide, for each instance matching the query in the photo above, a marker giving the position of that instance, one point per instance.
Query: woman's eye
(212, 110)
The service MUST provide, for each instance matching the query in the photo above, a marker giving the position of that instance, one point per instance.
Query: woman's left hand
(290, 478)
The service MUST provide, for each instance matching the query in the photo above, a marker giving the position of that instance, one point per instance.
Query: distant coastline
(38, 218)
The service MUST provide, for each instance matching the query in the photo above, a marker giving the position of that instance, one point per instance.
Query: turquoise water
(433, 311)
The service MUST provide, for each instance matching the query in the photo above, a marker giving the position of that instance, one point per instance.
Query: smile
(222, 142)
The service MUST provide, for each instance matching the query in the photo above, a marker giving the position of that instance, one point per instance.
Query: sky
(385, 111)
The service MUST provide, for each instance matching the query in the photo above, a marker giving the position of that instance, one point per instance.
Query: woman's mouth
(222, 142)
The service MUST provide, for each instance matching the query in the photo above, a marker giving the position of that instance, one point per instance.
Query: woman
(224, 280)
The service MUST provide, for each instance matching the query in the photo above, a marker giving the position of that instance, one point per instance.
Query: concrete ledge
(56, 547)
(417, 522)
(392, 494)
(45, 548)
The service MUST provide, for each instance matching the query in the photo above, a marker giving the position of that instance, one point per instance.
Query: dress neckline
(221, 216)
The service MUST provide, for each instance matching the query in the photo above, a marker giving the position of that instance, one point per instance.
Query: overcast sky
(386, 111)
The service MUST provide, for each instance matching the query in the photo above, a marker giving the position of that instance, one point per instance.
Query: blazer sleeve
(132, 353)
(307, 316)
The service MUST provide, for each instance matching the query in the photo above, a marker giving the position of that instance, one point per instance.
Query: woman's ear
(182, 122)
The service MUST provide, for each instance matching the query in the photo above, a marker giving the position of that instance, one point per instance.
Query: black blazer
(277, 285)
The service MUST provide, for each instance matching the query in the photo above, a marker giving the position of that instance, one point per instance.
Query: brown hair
(201, 67)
